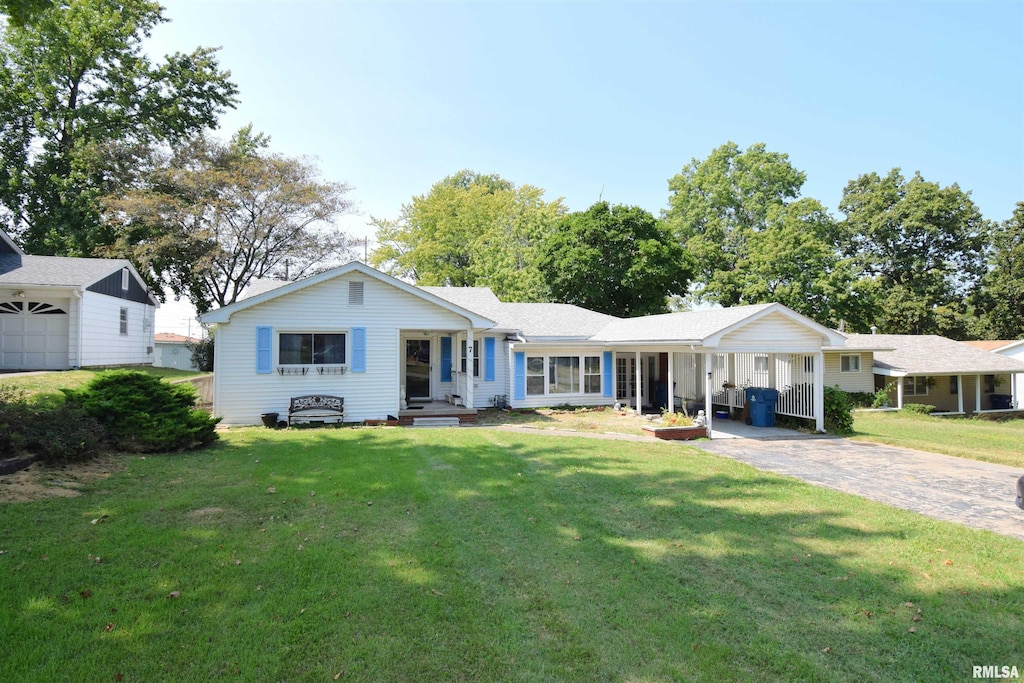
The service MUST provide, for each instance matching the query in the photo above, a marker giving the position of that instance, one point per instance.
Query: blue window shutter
(358, 349)
(488, 359)
(446, 359)
(264, 350)
(606, 380)
(519, 375)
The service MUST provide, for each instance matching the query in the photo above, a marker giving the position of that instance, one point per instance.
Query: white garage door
(33, 335)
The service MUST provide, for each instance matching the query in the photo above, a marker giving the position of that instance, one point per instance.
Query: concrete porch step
(435, 422)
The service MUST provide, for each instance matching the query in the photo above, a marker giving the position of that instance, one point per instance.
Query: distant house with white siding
(390, 348)
(172, 350)
(58, 312)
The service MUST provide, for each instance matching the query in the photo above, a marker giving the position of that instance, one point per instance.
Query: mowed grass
(475, 554)
(48, 385)
(1000, 442)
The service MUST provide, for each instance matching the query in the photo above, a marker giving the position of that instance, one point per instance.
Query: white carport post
(819, 392)
(639, 388)
(977, 393)
(707, 390)
(671, 382)
(899, 393)
(470, 355)
(960, 394)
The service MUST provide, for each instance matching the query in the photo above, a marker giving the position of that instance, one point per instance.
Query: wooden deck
(435, 409)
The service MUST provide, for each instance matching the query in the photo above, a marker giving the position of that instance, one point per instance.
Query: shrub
(676, 419)
(881, 399)
(862, 399)
(919, 408)
(202, 354)
(64, 433)
(140, 413)
(838, 411)
(56, 431)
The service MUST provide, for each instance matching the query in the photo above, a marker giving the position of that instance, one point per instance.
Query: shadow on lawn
(435, 555)
(605, 554)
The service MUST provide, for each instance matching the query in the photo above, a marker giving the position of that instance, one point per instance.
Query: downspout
(78, 336)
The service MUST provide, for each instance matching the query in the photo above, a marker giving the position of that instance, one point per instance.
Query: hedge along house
(955, 377)
(393, 349)
(58, 312)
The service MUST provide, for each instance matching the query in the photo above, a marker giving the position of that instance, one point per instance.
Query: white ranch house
(390, 348)
(58, 312)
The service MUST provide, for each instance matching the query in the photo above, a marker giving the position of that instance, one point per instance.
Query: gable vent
(355, 293)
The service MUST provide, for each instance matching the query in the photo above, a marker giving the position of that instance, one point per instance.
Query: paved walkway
(977, 494)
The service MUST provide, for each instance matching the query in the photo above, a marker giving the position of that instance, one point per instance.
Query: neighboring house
(58, 312)
(391, 348)
(1011, 349)
(174, 351)
(955, 377)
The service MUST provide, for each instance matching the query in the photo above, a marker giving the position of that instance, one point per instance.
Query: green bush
(838, 411)
(140, 413)
(920, 408)
(64, 433)
(881, 399)
(862, 399)
(55, 431)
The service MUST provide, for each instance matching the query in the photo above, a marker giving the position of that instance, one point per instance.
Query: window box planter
(676, 433)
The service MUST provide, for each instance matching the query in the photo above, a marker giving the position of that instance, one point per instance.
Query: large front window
(560, 375)
(311, 348)
(564, 375)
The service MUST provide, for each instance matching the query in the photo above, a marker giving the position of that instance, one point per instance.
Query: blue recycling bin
(761, 402)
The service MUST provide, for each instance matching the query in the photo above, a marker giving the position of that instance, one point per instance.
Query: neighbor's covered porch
(959, 394)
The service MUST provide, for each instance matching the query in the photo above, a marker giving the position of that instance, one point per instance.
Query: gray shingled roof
(260, 285)
(563, 321)
(930, 354)
(687, 327)
(60, 271)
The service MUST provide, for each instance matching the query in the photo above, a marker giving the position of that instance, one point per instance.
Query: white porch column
(899, 393)
(639, 387)
(771, 371)
(977, 393)
(469, 367)
(819, 392)
(707, 390)
(960, 393)
(671, 382)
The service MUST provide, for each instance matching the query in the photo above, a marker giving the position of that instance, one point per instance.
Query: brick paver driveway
(978, 494)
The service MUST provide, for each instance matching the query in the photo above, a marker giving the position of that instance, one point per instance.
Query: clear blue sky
(586, 99)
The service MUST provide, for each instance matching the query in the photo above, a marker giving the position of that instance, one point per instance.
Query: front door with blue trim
(417, 369)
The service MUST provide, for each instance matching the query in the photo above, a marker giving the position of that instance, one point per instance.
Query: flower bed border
(676, 433)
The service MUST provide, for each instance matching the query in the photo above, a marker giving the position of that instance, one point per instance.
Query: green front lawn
(474, 554)
(999, 442)
(50, 383)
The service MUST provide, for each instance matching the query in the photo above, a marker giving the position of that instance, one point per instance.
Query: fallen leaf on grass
(917, 617)
(99, 520)
(109, 627)
(948, 563)
(173, 594)
(339, 675)
(911, 630)
(827, 650)
(271, 489)
(86, 594)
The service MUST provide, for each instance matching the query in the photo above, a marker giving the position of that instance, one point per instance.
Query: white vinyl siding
(102, 341)
(773, 332)
(241, 395)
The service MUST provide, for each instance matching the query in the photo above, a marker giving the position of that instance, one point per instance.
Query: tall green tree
(617, 260)
(470, 230)
(718, 204)
(792, 260)
(1000, 298)
(212, 216)
(82, 101)
(921, 246)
